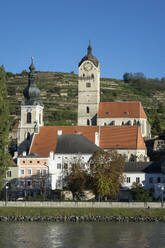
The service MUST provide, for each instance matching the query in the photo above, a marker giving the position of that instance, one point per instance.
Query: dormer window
(29, 117)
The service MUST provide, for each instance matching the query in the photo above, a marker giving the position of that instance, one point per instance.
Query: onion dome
(32, 92)
(90, 57)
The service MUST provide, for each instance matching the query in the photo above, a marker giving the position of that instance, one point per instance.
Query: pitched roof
(111, 137)
(45, 140)
(71, 144)
(147, 167)
(121, 137)
(121, 109)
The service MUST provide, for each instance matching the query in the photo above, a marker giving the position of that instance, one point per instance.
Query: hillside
(59, 96)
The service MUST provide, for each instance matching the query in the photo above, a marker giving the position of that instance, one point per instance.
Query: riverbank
(80, 214)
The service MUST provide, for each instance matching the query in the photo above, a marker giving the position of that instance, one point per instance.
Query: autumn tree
(77, 178)
(106, 169)
(4, 126)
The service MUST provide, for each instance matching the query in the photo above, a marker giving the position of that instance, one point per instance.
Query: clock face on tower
(88, 66)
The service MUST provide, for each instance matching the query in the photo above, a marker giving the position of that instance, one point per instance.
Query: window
(38, 162)
(150, 179)
(87, 110)
(137, 179)
(28, 136)
(92, 76)
(88, 122)
(40, 118)
(37, 185)
(158, 180)
(29, 183)
(9, 173)
(22, 183)
(24, 161)
(22, 172)
(29, 117)
(29, 171)
(105, 123)
(37, 172)
(88, 85)
(44, 172)
(128, 179)
(58, 166)
(31, 162)
(65, 166)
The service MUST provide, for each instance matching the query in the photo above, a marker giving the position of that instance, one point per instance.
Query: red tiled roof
(111, 137)
(121, 109)
(121, 137)
(45, 141)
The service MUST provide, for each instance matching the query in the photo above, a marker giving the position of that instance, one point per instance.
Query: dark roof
(90, 57)
(71, 144)
(147, 167)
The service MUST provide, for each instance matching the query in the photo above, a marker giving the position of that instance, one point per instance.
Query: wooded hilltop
(59, 94)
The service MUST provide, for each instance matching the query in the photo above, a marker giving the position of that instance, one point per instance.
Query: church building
(92, 112)
(113, 125)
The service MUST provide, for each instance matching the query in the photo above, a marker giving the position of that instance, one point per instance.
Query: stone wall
(82, 204)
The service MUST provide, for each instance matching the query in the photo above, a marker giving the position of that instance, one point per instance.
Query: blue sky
(126, 35)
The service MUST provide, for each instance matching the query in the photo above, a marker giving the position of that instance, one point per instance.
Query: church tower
(88, 89)
(31, 112)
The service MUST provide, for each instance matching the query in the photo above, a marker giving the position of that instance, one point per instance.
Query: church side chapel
(110, 125)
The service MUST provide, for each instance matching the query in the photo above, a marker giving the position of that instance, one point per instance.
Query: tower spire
(89, 48)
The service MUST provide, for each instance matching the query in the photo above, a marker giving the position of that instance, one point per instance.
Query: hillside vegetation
(59, 94)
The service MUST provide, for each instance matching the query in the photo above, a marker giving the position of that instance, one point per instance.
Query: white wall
(144, 179)
(57, 170)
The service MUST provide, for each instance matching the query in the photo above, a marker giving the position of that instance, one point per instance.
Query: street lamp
(162, 190)
(6, 197)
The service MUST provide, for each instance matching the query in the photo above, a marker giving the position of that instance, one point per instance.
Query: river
(82, 235)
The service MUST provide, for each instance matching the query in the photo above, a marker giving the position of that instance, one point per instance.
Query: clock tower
(88, 89)
(31, 112)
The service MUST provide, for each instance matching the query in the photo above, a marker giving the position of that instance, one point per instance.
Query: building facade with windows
(148, 174)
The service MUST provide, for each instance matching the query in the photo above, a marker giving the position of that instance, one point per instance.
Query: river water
(82, 235)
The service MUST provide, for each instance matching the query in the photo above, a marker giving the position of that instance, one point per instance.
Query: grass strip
(37, 211)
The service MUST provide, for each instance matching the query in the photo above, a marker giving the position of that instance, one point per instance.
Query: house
(148, 174)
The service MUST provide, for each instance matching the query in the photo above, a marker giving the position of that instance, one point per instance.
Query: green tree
(4, 126)
(77, 178)
(106, 169)
(140, 194)
(156, 127)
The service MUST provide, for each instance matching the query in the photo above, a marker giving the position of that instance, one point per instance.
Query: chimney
(24, 154)
(59, 132)
(97, 138)
(15, 155)
(51, 155)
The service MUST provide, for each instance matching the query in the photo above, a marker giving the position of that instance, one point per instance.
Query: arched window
(92, 76)
(28, 136)
(88, 122)
(29, 117)
(87, 110)
(105, 123)
(40, 118)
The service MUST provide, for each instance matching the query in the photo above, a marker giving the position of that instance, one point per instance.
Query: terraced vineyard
(59, 95)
